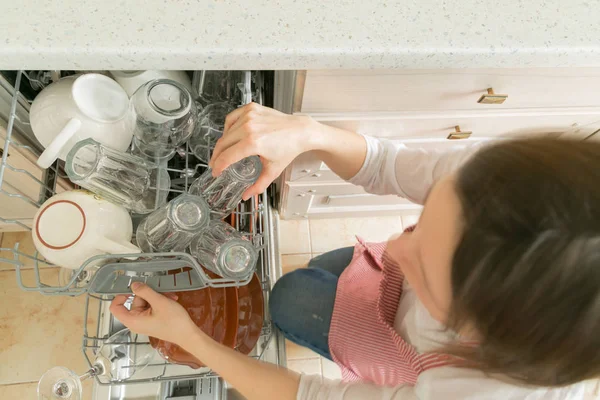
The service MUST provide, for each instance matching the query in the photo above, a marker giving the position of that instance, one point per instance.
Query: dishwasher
(23, 190)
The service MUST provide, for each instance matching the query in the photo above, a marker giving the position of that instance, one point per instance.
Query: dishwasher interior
(254, 218)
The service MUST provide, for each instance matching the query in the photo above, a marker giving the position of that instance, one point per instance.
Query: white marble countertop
(297, 34)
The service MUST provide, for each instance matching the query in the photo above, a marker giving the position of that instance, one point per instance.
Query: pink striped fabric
(362, 338)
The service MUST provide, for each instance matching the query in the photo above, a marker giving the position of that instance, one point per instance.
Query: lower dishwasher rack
(164, 381)
(101, 324)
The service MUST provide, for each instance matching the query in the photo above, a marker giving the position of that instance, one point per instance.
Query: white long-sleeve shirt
(392, 168)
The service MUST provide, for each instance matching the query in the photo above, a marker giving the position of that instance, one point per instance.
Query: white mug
(73, 226)
(76, 108)
(133, 80)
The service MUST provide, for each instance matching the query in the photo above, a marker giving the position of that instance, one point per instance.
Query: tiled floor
(299, 241)
(36, 332)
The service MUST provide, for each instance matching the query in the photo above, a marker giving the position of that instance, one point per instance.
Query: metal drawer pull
(458, 134)
(492, 98)
(346, 196)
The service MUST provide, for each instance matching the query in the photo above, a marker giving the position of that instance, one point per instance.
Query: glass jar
(173, 226)
(224, 251)
(224, 192)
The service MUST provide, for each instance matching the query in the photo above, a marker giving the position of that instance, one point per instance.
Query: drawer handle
(346, 196)
(458, 134)
(492, 98)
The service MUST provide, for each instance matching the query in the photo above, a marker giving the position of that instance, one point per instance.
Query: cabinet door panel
(431, 132)
(342, 199)
(387, 90)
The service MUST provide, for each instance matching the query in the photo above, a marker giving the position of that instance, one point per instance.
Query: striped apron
(362, 338)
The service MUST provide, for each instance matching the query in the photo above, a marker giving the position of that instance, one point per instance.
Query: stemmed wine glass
(119, 358)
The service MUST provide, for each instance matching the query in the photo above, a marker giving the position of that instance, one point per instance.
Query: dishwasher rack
(253, 218)
(100, 324)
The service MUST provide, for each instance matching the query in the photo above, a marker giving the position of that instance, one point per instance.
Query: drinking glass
(122, 178)
(163, 116)
(119, 358)
(223, 250)
(173, 226)
(215, 86)
(212, 123)
(224, 192)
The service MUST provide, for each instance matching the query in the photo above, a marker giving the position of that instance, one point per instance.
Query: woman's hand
(276, 137)
(154, 314)
(158, 315)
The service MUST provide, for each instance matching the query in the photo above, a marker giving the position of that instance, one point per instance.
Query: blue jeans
(301, 302)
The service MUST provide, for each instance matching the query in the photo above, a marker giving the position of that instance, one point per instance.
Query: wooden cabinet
(422, 108)
(309, 169)
(333, 91)
(331, 200)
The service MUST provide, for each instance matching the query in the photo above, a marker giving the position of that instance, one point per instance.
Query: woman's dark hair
(526, 273)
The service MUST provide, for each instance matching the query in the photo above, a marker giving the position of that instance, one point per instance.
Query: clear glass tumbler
(163, 116)
(119, 177)
(173, 226)
(215, 86)
(212, 123)
(223, 250)
(224, 192)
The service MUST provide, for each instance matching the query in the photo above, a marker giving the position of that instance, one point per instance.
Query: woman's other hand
(154, 314)
(276, 137)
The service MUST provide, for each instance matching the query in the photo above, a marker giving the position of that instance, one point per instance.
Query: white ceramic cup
(133, 80)
(76, 108)
(73, 226)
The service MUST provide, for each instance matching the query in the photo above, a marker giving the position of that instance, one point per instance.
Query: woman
(496, 293)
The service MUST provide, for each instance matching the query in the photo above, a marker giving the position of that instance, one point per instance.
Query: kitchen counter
(290, 34)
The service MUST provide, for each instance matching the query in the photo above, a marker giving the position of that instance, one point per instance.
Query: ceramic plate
(199, 306)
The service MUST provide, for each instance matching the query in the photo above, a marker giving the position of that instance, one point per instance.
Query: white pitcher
(77, 108)
(73, 226)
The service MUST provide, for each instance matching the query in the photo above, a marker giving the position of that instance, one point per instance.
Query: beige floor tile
(330, 370)
(28, 391)
(9, 239)
(22, 391)
(297, 352)
(309, 366)
(38, 332)
(294, 237)
(291, 262)
(331, 234)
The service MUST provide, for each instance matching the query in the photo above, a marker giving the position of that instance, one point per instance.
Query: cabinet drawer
(308, 168)
(430, 131)
(502, 124)
(340, 199)
(365, 91)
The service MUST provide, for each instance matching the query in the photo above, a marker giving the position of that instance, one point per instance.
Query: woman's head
(515, 259)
